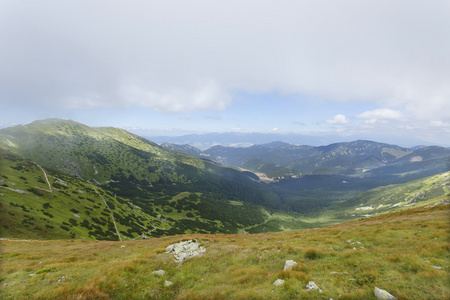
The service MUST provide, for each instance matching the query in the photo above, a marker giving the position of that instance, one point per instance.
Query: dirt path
(46, 179)
(112, 216)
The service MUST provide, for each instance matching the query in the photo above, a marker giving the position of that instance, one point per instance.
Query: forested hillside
(62, 179)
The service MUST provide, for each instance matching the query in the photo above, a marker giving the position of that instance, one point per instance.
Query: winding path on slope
(112, 217)
(46, 179)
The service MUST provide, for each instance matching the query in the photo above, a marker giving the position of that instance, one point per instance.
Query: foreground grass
(406, 253)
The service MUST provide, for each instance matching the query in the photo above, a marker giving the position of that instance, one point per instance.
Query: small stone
(159, 272)
(349, 241)
(436, 267)
(383, 295)
(168, 283)
(313, 286)
(289, 265)
(278, 282)
(32, 274)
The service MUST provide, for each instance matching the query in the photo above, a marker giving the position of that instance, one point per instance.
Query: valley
(62, 179)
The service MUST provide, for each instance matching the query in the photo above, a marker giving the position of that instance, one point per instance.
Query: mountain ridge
(178, 193)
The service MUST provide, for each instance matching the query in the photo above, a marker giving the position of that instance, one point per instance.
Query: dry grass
(396, 252)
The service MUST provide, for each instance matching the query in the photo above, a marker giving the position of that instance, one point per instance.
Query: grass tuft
(313, 254)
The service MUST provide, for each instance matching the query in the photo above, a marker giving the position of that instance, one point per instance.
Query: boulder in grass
(168, 283)
(185, 250)
(383, 295)
(290, 264)
(159, 272)
(278, 282)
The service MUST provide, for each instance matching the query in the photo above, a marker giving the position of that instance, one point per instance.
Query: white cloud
(439, 123)
(381, 51)
(207, 96)
(382, 113)
(370, 121)
(338, 120)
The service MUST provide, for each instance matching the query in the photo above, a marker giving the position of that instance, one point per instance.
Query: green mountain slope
(174, 193)
(67, 207)
(127, 164)
(405, 253)
(397, 196)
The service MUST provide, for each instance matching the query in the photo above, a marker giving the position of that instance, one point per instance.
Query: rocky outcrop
(442, 202)
(383, 295)
(185, 250)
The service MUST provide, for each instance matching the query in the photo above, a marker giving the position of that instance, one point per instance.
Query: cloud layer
(181, 56)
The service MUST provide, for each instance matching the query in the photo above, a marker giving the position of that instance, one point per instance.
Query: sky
(377, 70)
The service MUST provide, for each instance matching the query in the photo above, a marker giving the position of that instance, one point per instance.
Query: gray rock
(159, 272)
(185, 250)
(313, 286)
(289, 265)
(278, 282)
(168, 283)
(383, 295)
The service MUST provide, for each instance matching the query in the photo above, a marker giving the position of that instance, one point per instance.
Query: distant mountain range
(239, 139)
(279, 159)
(63, 179)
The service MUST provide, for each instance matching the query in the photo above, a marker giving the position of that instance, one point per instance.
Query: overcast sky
(366, 69)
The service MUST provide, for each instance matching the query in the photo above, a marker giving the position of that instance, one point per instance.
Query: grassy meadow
(405, 253)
